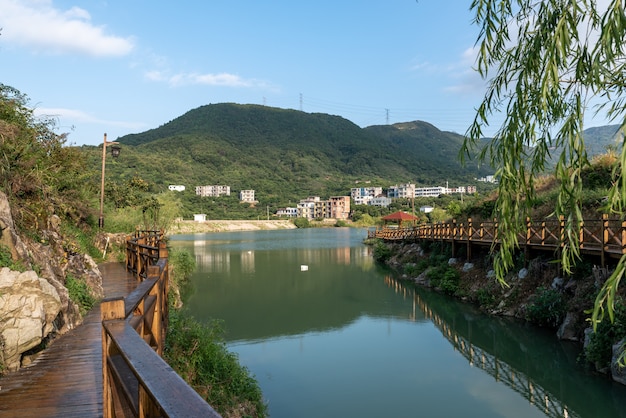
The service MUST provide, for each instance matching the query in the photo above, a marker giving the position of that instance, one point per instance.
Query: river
(329, 333)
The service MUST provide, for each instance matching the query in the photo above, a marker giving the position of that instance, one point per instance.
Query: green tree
(38, 173)
(548, 63)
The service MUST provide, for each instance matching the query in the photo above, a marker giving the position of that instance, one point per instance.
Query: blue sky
(127, 66)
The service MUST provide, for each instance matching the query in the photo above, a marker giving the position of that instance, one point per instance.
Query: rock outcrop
(35, 304)
(29, 306)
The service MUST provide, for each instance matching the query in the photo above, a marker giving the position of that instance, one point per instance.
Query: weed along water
(343, 337)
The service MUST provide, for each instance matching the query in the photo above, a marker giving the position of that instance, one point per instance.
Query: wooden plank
(133, 300)
(160, 381)
(66, 379)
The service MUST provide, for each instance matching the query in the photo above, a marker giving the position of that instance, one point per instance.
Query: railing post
(469, 238)
(453, 238)
(605, 238)
(528, 239)
(110, 309)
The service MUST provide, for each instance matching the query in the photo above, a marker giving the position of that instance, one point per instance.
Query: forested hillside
(286, 155)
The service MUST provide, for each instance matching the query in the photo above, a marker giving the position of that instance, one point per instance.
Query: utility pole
(115, 152)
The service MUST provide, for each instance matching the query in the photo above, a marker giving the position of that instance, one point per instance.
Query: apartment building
(430, 191)
(288, 212)
(306, 207)
(339, 207)
(406, 191)
(336, 207)
(212, 191)
(247, 196)
(363, 195)
(380, 201)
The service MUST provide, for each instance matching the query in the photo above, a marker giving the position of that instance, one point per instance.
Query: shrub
(183, 264)
(302, 223)
(199, 355)
(450, 281)
(6, 260)
(599, 351)
(547, 308)
(445, 278)
(80, 294)
(382, 252)
(485, 298)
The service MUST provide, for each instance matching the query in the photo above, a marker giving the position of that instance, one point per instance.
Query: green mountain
(286, 155)
(597, 139)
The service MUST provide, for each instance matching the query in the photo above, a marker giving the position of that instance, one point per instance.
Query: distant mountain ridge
(287, 155)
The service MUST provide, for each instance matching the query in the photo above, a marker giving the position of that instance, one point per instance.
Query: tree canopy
(549, 64)
(37, 172)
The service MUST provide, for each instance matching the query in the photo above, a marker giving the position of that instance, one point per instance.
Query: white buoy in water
(304, 267)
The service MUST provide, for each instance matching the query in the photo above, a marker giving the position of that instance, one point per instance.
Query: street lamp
(115, 152)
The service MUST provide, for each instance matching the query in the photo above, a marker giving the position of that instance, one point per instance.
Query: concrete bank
(193, 227)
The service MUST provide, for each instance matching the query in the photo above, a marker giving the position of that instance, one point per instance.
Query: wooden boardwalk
(66, 379)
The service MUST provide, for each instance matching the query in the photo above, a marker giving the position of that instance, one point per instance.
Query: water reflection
(543, 373)
(345, 338)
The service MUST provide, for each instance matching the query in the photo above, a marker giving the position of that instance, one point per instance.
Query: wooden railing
(137, 382)
(603, 237)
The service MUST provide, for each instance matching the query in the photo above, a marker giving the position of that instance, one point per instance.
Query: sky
(126, 66)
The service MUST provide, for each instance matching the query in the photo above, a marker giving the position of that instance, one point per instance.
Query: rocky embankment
(527, 286)
(34, 302)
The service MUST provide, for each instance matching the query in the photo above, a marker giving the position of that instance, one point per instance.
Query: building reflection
(223, 260)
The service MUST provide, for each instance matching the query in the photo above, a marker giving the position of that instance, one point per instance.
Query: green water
(328, 333)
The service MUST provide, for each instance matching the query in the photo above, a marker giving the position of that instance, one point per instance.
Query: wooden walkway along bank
(604, 238)
(111, 366)
(66, 380)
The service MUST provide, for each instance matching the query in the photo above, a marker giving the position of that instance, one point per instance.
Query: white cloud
(73, 117)
(37, 25)
(220, 80)
(466, 79)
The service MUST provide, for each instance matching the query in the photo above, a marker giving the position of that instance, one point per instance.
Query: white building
(401, 191)
(176, 187)
(288, 212)
(488, 179)
(212, 191)
(200, 217)
(247, 196)
(430, 191)
(306, 207)
(380, 201)
(362, 195)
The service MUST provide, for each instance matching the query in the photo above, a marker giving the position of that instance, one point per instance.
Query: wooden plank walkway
(66, 379)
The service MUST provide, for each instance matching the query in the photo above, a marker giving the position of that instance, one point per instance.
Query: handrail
(605, 237)
(136, 380)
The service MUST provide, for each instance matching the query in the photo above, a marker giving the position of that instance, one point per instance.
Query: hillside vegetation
(286, 155)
